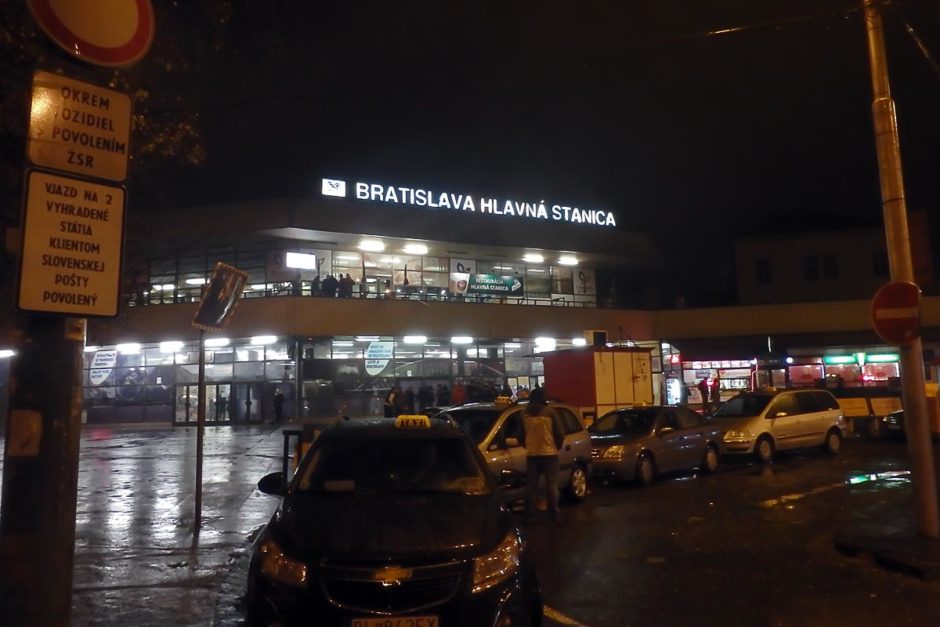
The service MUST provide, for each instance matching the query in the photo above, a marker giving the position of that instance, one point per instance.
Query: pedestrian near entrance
(715, 394)
(543, 437)
(278, 405)
(703, 390)
(392, 401)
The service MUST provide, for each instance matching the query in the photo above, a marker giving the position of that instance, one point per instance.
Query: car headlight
(737, 435)
(614, 452)
(492, 568)
(277, 566)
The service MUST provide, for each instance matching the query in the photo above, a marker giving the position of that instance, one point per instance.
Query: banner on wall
(378, 354)
(101, 366)
(485, 284)
(584, 282)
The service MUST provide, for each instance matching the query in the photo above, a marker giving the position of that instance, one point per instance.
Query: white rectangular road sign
(72, 240)
(79, 127)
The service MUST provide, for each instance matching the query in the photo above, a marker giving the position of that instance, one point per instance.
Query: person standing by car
(543, 436)
(703, 390)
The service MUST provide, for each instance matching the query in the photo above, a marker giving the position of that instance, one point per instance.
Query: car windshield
(625, 423)
(437, 465)
(475, 422)
(744, 405)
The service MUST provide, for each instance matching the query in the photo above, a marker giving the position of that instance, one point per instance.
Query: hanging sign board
(78, 127)
(71, 253)
(220, 297)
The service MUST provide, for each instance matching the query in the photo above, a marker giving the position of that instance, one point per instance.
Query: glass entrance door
(246, 405)
(218, 399)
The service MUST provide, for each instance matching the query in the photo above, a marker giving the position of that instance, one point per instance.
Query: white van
(763, 422)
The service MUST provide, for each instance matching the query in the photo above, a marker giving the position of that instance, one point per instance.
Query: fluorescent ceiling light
(461, 339)
(347, 257)
(263, 339)
(172, 346)
(568, 260)
(216, 342)
(91, 349)
(416, 249)
(544, 344)
(579, 341)
(6, 353)
(512, 345)
(533, 258)
(195, 281)
(301, 260)
(367, 338)
(415, 339)
(131, 348)
(163, 287)
(372, 245)
(343, 343)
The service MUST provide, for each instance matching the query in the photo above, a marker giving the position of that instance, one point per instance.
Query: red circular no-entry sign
(103, 32)
(895, 312)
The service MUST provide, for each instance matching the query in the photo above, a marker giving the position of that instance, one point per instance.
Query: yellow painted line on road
(558, 617)
(787, 498)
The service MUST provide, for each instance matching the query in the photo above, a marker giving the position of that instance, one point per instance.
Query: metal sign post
(899, 258)
(219, 298)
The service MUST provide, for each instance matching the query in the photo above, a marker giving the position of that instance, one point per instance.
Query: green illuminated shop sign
(485, 284)
(860, 359)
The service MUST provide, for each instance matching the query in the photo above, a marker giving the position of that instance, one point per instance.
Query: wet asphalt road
(749, 545)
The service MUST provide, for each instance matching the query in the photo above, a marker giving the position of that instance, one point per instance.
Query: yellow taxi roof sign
(413, 421)
(504, 400)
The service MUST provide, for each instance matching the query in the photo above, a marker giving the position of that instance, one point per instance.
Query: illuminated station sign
(466, 203)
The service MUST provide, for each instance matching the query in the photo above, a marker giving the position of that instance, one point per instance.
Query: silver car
(637, 443)
(763, 422)
(497, 429)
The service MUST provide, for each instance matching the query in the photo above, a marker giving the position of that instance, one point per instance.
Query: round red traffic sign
(112, 33)
(895, 312)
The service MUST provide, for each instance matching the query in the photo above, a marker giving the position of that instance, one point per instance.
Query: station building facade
(444, 291)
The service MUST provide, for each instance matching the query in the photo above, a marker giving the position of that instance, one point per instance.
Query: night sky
(691, 135)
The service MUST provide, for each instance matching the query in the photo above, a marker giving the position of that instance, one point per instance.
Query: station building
(447, 288)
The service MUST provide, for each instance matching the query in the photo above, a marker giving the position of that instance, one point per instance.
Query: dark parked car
(637, 443)
(392, 522)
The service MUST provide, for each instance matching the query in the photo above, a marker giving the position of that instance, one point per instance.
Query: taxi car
(496, 428)
(391, 522)
(637, 443)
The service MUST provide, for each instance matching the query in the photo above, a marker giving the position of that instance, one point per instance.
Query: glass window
(807, 402)
(538, 281)
(436, 264)
(830, 267)
(249, 371)
(572, 424)
(687, 418)
(562, 280)
(249, 353)
(784, 405)
(279, 370)
(762, 271)
(347, 260)
(277, 350)
(218, 372)
(811, 268)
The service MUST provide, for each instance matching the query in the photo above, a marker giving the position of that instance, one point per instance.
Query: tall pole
(40, 474)
(200, 428)
(902, 269)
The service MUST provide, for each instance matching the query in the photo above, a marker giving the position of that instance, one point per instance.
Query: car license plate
(399, 621)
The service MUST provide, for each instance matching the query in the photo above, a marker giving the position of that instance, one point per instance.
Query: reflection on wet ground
(137, 560)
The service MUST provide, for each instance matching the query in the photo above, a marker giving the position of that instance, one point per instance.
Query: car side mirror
(273, 484)
(511, 442)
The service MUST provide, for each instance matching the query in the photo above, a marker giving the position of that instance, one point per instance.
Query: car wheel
(578, 484)
(833, 442)
(645, 470)
(764, 449)
(710, 461)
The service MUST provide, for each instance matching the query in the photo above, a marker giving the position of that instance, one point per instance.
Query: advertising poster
(584, 282)
(485, 285)
(377, 357)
